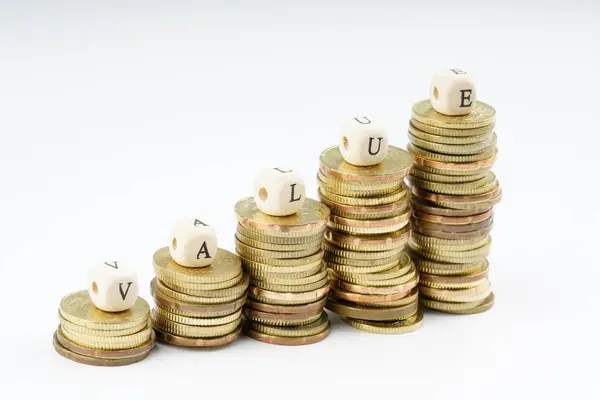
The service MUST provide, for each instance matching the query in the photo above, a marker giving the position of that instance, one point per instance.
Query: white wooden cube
(193, 243)
(279, 191)
(113, 286)
(363, 142)
(452, 92)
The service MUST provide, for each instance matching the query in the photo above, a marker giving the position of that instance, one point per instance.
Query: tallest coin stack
(454, 192)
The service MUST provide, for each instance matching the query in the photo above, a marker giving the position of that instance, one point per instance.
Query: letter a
(203, 250)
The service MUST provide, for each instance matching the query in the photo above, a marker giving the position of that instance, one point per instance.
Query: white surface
(117, 119)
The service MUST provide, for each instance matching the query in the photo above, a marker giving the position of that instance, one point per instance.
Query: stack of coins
(374, 283)
(198, 307)
(289, 283)
(453, 196)
(91, 336)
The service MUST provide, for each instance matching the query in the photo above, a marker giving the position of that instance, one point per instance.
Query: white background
(118, 117)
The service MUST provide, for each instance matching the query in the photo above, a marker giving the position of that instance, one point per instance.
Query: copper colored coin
(104, 362)
(452, 228)
(351, 310)
(440, 219)
(218, 308)
(110, 354)
(430, 196)
(282, 296)
(181, 341)
(287, 341)
(371, 298)
(267, 317)
(422, 205)
(351, 287)
(453, 235)
(281, 309)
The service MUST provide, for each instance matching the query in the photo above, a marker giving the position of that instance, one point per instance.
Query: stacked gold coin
(454, 192)
(374, 283)
(91, 336)
(288, 281)
(198, 307)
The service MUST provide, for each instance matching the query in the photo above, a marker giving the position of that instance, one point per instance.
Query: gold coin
(313, 328)
(402, 267)
(452, 228)
(451, 258)
(454, 149)
(360, 266)
(365, 189)
(96, 332)
(327, 184)
(191, 331)
(225, 266)
(370, 227)
(372, 212)
(272, 297)
(265, 238)
(282, 310)
(455, 282)
(436, 197)
(482, 115)
(474, 205)
(418, 173)
(286, 341)
(387, 327)
(195, 310)
(482, 251)
(364, 201)
(425, 206)
(209, 288)
(363, 289)
(463, 171)
(473, 307)
(373, 300)
(291, 288)
(256, 268)
(108, 342)
(482, 138)
(394, 167)
(389, 241)
(96, 361)
(441, 219)
(454, 235)
(406, 274)
(266, 274)
(481, 186)
(279, 319)
(109, 354)
(311, 218)
(453, 132)
(77, 307)
(189, 288)
(181, 341)
(445, 269)
(332, 250)
(180, 319)
(248, 251)
(351, 310)
(416, 151)
(283, 279)
(454, 245)
(281, 262)
(279, 247)
(410, 297)
(457, 295)
(166, 291)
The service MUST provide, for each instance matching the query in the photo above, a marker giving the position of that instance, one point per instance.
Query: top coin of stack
(279, 237)
(374, 284)
(108, 324)
(199, 289)
(453, 143)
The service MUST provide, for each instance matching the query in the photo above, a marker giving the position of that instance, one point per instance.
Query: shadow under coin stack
(91, 336)
(198, 306)
(289, 283)
(453, 196)
(374, 283)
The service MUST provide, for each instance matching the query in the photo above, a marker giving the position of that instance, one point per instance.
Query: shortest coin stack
(198, 307)
(374, 283)
(289, 283)
(91, 336)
